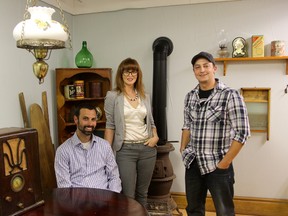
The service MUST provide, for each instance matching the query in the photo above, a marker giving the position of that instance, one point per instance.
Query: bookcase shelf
(66, 106)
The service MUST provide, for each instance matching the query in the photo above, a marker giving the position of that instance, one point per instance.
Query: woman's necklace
(133, 99)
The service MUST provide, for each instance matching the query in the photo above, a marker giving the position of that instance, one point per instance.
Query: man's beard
(82, 129)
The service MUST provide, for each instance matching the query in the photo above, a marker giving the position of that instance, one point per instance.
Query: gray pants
(136, 164)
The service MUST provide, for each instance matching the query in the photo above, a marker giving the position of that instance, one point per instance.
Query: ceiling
(77, 7)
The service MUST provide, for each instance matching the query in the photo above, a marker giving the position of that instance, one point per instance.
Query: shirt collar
(219, 86)
(76, 141)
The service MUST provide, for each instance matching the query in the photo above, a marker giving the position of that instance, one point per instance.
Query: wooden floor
(183, 211)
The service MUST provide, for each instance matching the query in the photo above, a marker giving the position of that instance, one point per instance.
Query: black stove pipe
(162, 48)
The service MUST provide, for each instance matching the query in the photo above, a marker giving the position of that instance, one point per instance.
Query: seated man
(85, 160)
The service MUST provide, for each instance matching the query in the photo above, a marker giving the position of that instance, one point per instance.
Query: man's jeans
(220, 185)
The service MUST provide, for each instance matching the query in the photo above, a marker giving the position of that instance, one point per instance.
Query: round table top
(88, 201)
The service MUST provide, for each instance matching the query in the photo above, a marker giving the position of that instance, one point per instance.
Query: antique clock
(19, 171)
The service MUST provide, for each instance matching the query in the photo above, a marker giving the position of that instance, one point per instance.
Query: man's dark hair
(84, 106)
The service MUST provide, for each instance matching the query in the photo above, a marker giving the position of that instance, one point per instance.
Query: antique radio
(19, 171)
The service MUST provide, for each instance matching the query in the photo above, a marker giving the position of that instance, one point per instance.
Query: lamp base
(223, 53)
(40, 69)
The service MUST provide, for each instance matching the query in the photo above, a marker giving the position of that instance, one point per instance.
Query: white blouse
(135, 125)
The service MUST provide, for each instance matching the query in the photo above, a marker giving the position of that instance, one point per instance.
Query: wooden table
(88, 201)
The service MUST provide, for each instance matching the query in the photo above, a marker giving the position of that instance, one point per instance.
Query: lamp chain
(26, 16)
(65, 23)
(29, 3)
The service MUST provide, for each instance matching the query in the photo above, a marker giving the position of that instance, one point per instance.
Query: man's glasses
(131, 70)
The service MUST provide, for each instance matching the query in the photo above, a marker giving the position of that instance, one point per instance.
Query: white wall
(16, 73)
(261, 165)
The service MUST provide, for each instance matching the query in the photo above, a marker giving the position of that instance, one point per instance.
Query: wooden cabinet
(66, 106)
(268, 58)
(258, 105)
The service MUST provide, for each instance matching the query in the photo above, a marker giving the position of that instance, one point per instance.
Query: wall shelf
(268, 58)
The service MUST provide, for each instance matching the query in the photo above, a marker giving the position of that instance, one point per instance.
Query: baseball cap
(205, 55)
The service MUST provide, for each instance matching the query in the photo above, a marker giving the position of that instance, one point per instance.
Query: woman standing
(131, 131)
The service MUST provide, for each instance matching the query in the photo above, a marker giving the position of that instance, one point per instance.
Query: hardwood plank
(244, 205)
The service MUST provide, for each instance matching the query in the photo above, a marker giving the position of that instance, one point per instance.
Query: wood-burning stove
(160, 201)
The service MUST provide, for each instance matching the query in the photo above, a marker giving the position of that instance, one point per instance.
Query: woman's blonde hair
(138, 85)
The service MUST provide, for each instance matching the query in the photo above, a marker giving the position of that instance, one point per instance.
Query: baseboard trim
(244, 205)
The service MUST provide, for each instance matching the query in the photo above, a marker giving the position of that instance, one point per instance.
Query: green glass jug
(84, 59)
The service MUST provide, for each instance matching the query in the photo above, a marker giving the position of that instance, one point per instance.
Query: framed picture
(239, 47)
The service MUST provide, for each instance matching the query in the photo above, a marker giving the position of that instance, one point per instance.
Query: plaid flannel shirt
(213, 125)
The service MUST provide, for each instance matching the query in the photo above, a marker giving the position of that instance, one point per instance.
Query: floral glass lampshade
(39, 35)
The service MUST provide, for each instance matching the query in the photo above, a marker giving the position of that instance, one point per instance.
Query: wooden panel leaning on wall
(39, 119)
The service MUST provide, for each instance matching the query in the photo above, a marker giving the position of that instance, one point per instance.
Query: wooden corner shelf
(66, 107)
(267, 58)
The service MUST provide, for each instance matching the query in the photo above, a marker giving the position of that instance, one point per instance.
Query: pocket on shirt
(191, 112)
(215, 114)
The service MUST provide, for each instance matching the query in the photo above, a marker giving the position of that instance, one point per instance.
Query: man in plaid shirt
(215, 128)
